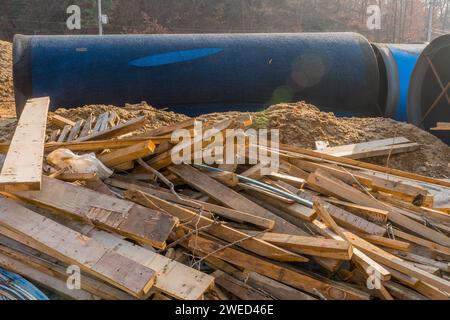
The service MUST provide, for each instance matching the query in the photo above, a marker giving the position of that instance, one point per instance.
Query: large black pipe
(427, 104)
(200, 73)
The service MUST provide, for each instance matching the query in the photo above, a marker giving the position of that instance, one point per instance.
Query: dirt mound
(6, 79)
(301, 125)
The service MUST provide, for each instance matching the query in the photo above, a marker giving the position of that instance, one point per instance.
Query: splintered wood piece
(296, 279)
(116, 131)
(75, 130)
(54, 135)
(193, 219)
(72, 247)
(64, 133)
(320, 247)
(136, 151)
(60, 121)
(22, 168)
(101, 122)
(113, 118)
(87, 126)
(123, 217)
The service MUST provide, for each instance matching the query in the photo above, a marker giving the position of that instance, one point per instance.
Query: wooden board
(72, 247)
(54, 268)
(22, 169)
(60, 121)
(372, 149)
(116, 131)
(43, 279)
(320, 247)
(136, 151)
(117, 215)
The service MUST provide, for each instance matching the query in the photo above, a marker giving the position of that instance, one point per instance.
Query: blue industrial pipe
(396, 63)
(200, 73)
(14, 287)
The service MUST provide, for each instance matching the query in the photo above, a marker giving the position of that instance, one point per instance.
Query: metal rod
(262, 185)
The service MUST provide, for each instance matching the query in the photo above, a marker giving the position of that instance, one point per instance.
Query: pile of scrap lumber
(324, 226)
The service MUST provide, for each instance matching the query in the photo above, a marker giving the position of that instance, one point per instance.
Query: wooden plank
(320, 247)
(218, 191)
(60, 121)
(116, 131)
(22, 168)
(74, 248)
(372, 149)
(109, 213)
(403, 293)
(97, 145)
(235, 215)
(39, 261)
(356, 223)
(371, 214)
(238, 288)
(444, 266)
(386, 242)
(397, 263)
(349, 149)
(422, 242)
(219, 230)
(136, 151)
(275, 288)
(173, 278)
(296, 279)
(45, 280)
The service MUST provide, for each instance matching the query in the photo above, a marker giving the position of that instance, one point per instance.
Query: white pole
(100, 24)
(430, 20)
